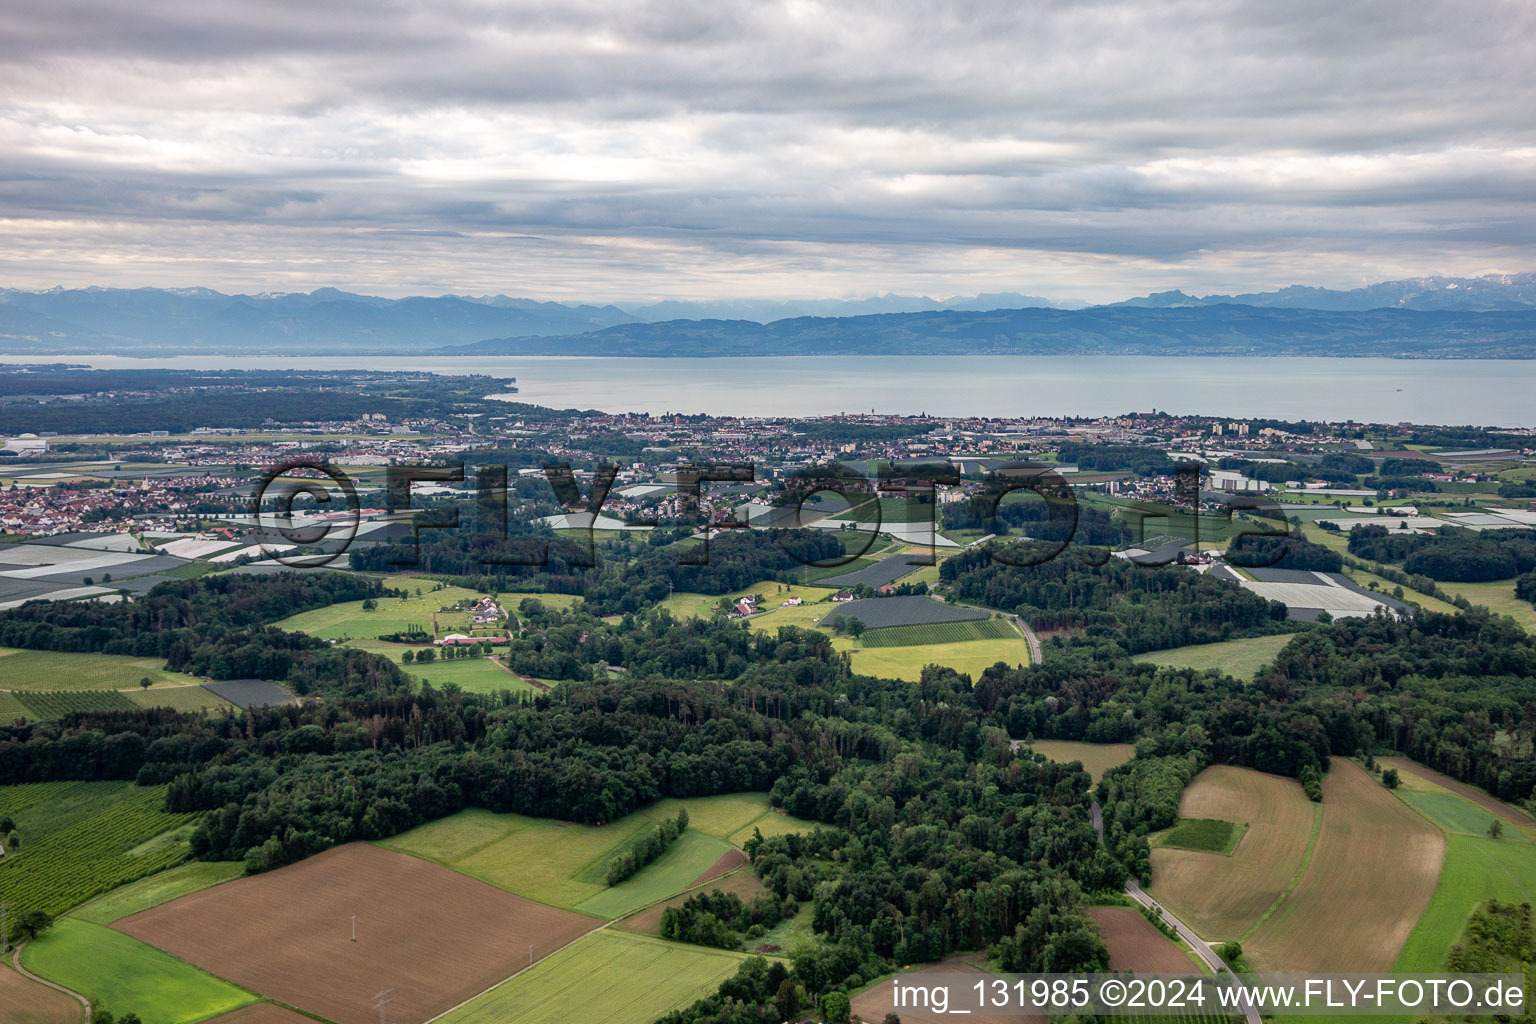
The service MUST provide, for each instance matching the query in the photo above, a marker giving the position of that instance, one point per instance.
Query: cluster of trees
(1049, 519)
(648, 847)
(1525, 587)
(1115, 457)
(720, 918)
(1289, 552)
(1449, 554)
(1141, 608)
(1497, 938)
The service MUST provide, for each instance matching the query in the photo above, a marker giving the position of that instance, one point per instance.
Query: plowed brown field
(876, 1002)
(432, 936)
(24, 1001)
(1134, 945)
(1370, 878)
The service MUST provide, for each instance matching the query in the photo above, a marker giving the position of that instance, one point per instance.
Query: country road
(85, 1003)
(1202, 948)
(1030, 638)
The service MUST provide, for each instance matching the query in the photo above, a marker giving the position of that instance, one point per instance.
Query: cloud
(732, 148)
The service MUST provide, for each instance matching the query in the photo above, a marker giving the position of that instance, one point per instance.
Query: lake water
(1488, 392)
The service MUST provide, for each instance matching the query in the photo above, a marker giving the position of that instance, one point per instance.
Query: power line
(381, 1001)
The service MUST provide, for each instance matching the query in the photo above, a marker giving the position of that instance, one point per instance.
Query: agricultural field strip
(1221, 897)
(1374, 873)
(916, 610)
(605, 965)
(940, 633)
(1301, 869)
(710, 884)
(92, 855)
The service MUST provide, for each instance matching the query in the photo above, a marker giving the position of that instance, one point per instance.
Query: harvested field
(435, 936)
(875, 1002)
(1134, 945)
(1489, 803)
(729, 862)
(1097, 758)
(261, 1013)
(24, 1001)
(1222, 897)
(1373, 873)
(648, 921)
(914, 610)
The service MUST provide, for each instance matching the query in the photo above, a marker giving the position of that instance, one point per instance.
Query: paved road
(1202, 948)
(1031, 639)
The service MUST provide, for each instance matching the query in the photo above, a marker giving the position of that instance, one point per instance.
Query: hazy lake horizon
(1485, 392)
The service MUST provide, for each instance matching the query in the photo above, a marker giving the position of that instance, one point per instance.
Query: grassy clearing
(473, 675)
(688, 858)
(1209, 835)
(565, 865)
(1475, 869)
(193, 876)
(969, 658)
(940, 633)
(129, 976)
(1373, 874)
(348, 620)
(1498, 597)
(1097, 758)
(608, 977)
(1455, 814)
(1240, 658)
(1386, 588)
(56, 670)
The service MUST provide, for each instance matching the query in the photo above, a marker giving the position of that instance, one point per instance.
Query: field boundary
(1301, 869)
(735, 954)
(16, 963)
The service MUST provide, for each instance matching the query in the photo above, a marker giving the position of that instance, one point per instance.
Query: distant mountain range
(151, 321)
(1468, 294)
(1484, 316)
(1099, 330)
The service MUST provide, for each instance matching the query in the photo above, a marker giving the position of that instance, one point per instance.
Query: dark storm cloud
(737, 147)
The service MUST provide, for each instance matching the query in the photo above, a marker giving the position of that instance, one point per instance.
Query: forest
(1449, 555)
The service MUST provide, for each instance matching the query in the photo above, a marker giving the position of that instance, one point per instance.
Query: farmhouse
(793, 602)
(456, 639)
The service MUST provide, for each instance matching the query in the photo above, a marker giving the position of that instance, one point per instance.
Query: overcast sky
(626, 151)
